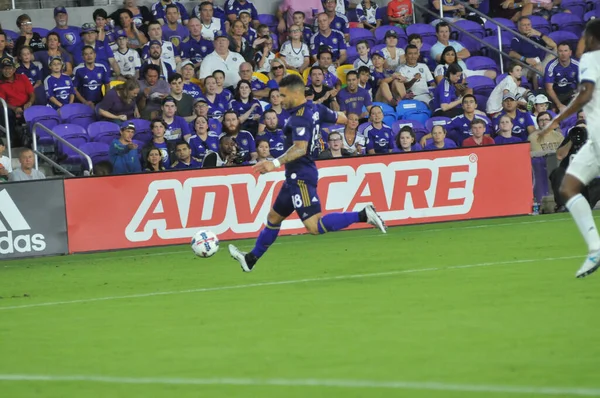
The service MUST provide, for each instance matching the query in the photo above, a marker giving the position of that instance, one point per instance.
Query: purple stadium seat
(268, 19)
(593, 14)
(361, 129)
(79, 114)
(351, 54)
(437, 121)
(493, 42)
(357, 34)
(143, 132)
(412, 110)
(425, 50)
(491, 29)
(540, 24)
(563, 36)
(382, 30)
(381, 13)
(481, 101)
(481, 85)
(12, 34)
(387, 110)
(98, 151)
(473, 28)
(567, 22)
(45, 116)
(426, 31)
(577, 7)
(418, 128)
(104, 132)
(75, 135)
(592, 5)
(481, 63)
(41, 31)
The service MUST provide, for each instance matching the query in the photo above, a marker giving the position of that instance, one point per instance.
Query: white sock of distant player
(582, 214)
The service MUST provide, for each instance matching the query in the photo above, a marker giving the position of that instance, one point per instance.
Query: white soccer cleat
(590, 265)
(375, 219)
(240, 257)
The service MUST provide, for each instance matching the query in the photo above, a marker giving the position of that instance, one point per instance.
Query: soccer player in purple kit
(299, 192)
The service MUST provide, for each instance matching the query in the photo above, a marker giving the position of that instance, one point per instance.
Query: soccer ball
(205, 243)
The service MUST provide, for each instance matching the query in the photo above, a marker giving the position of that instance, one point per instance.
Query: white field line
(353, 384)
(79, 257)
(287, 282)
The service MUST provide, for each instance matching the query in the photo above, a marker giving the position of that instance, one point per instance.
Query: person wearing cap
(28, 37)
(177, 127)
(325, 36)
(400, 12)
(337, 21)
(561, 77)
(170, 54)
(17, 91)
(58, 86)
(187, 73)
(523, 124)
(541, 104)
(69, 36)
(104, 54)
(159, 11)
(418, 76)
(155, 52)
(123, 153)
(89, 77)
(442, 31)
(195, 47)
(173, 30)
(393, 54)
(127, 58)
(222, 59)
(234, 7)
(106, 33)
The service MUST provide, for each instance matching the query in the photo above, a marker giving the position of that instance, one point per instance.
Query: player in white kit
(585, 165)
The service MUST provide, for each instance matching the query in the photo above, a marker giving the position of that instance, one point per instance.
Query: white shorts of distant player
(585, 165)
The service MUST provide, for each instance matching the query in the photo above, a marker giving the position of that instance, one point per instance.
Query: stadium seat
(270, 20)
(493, 42)
(40, 95)
(104, 132)
(567, 22)
(12, 34)
(563, 36)
(43, 32)
(481, 85)
(74, 135)
(381, 13)
(437, 121)
(481, 63)
(387, 110)
(426, 31)
(382, 30)
(342, 71)
(305, 75)
(112, 84)
(468, 42)
(261, 76)
(97, 151)
(361, 129)
(577, 7)
(351, 55)
(143, 132)
(429, 61)
(79, 114)
(540, 24)
(389, 120)
(293, 72)
(418, 128)
(412, 110)
(593, 14)
(47, 117)
(491, 29)
(357, 34)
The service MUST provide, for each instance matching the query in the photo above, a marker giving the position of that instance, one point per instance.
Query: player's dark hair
(469, 96)
(411, 47)
(593, 29)
(174, 77)
(352, 73)
(415, 36)
(441, 25)
(453, 69)
(88, 48)
(216, 72)
(237, 95)
(478, 121)
(182, 142)
(293, 82)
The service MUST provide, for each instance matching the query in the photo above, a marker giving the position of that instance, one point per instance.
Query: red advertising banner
(167, 208)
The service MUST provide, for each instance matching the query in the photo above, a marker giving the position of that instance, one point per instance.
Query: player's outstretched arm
(584, 95)
(296, 151)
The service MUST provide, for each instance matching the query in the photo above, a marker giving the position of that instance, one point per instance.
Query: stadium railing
(34, 133)
(6, 129)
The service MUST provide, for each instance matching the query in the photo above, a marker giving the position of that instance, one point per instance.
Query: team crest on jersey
(234, 59)
(68, 82)
(175, 41)
(203, 49)
(170, 48)
(420, 70)
(521, 120)
(70, 38)
(334, 40)
(338, 26)
(130, 58)
(244, 142)
(99, 75)
(572, 74)
(33, 73)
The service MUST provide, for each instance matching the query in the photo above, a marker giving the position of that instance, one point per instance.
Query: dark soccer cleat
(375, 219)
(590, 265)
(246, 260)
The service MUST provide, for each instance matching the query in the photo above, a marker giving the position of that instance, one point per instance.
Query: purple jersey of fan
(89, 81)
(194, 164)
(192, 89)
(335, 41)
(33, 73)
(281, 117)
(521, 121)
(459, 129)
(276, 141)
(196, 50)
(103, 54)
(506, 140)
(444, 93)
(448, 144)
(563, 78)
(159, 10)
(354, 102)
(246, 144)
(380, 140)
(60, 88)
(200, 146)
(218, 107)
(69, 37)
(177, 129)
(176, 36)
(234, 8)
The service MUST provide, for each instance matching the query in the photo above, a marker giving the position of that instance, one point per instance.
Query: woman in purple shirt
(378, 135)
(447, 97)
(505, 136)
(246, 106)
(118, 105)
(406, 140)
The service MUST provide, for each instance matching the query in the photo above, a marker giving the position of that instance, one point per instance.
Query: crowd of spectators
(208, 79)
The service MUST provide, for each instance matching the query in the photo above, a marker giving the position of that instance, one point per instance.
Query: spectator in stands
(262, 149)
(275, 105)
(447, 97)
(400, 12)
(263, 56)
(185, 160)
(388, 87)
(17, 91)
(394, 55)
(123, 152)
(119, 103)
(183, 101)
(406, 140)
(378, 135)
(259, 89)
(159, 11)
(58, 86)
(336, 148)
(165, 147)
(219, 76)
(523, 124)
(478, 138)
(307, 31)
(510, 84)
(510, 9)
(418, 77)
(102, 168)
(246, 147)
(364, 55)
(26, 172)
(127, 58)
(225, 156)
(277, 73)
(214, 12)
(353, 141)
(106, 33)
(177, 127)
(217, 104)
(69, 36)
(452, 10)
(54, 50)
(89, 77)
(353, 98)
(327, 37)
(5, 164)
(222, 59)
(195, 46)
(246, 106)
(173, 30)
(504, 132)
(202, 140)
(545, 143)
(139, 15)
(272, 133)
(366, 11)
(28, 37)
(364, 79)
(233, 8)
(155, 58)
(249, 32)
(416, 40)
(536, 57)
(439, 140)
(152, 91)
(561, 77)
(154, 161)
(337, 21)
(104, 54)
(329, 69)
(201, 109)
(540, 105)
(170, 54)
(294, 52)
(136, 38)
(547, 9)
(187, 73)
(237, 42)
(28, 68)
(294, 9)
(449, 57)
(442, 30)
(321, 93)
(210, 24)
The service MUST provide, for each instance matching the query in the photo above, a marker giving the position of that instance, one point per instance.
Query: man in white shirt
(585, 164)
(418, 76)
(26, 172)
(222, 59)
(210, 24)
(443, 34)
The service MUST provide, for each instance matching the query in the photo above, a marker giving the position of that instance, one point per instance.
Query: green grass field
(488, 308)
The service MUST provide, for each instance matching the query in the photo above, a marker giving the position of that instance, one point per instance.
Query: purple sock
(336, 221)
(265, 239)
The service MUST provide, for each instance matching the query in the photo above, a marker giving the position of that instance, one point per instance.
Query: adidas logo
(11, 221)
(315, 200)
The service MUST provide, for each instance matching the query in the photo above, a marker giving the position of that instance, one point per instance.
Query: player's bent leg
(318, 224)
